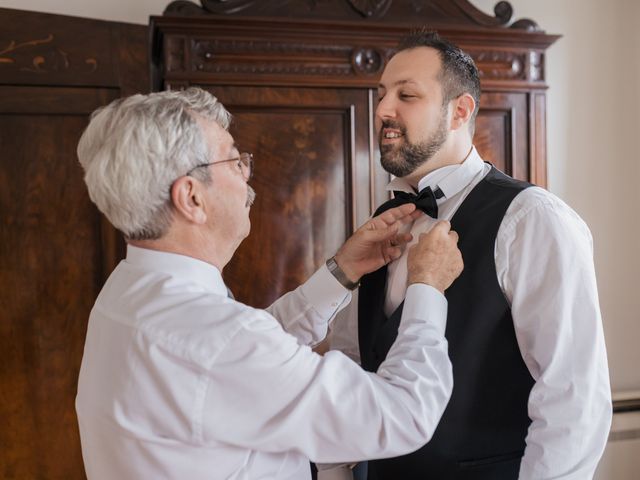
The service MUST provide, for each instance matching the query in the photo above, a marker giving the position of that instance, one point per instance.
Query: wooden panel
(55, 247)
(312, 177)
(501, 132)
(44, 49)
(50, 272)
(538, 135)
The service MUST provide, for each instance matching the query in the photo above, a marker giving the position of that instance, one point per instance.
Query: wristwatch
(337, 272)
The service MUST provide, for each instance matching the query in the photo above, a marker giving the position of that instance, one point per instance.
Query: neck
(216, 253)
(451, 153)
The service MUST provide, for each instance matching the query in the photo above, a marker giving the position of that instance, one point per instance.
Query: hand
(435, 259)
(376, 243)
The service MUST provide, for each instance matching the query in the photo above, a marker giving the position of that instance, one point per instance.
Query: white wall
(130, 11)
(593, 73)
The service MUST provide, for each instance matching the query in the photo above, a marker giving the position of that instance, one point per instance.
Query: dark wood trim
(267, 51)
(627, 405)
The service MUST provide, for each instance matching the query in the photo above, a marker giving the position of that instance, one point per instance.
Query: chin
(247, 229)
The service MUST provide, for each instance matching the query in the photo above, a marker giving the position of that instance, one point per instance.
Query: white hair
(136, 147)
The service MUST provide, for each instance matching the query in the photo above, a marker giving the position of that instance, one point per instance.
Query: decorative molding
(503, 12)
(432, 12)
(272, 57)
(52, 60)
(535, 70)
(367, 61)
(260, 47)
(500, 64)
(526, 24)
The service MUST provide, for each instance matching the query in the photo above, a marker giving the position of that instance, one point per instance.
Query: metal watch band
(337, 272)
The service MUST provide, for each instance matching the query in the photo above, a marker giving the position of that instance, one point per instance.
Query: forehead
(420, 65)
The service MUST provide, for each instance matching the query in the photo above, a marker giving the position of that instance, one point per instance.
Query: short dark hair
(459, 73)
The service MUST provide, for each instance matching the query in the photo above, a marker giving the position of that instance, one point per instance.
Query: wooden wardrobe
(301, 79)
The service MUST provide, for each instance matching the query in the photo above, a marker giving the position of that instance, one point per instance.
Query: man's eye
(406, 96)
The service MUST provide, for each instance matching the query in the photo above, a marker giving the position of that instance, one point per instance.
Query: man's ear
(188, 200)
(463, 108)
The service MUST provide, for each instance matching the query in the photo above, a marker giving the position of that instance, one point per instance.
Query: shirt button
(334, 304)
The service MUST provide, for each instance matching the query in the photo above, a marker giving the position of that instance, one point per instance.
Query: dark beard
(403, 160)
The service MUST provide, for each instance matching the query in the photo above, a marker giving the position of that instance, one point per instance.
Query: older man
(180, 381)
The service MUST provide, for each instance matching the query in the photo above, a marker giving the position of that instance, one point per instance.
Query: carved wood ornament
(313, 45)
(388, 10)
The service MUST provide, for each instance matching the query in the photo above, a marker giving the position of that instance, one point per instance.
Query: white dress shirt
(178, 381)
(544, 262)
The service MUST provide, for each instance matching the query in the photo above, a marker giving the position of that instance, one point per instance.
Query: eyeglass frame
(245, 161)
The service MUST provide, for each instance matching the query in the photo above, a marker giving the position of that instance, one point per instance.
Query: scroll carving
(371, 8)
(431, 12)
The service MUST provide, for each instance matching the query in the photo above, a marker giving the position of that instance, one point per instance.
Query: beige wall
(130, 11)
(593, 73)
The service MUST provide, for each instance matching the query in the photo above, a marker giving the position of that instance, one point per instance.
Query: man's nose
(386, 108)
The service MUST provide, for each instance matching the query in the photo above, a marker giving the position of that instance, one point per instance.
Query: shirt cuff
(325, 294)
(426, 303)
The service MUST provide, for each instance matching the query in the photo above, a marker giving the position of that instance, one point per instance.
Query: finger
(394, 214)
(443, 225)
(416, 215)
(391, 253)
(401, 239)
(453, 234)
(380, 234)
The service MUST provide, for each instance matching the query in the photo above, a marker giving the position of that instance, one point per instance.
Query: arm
(545, 266)
(328, 408)
(306, 312)
(343, 334)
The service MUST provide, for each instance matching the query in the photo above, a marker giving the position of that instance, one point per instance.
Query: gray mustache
(251, 196)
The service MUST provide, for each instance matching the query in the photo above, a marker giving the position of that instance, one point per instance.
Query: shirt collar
(450, 179)
(188, 268)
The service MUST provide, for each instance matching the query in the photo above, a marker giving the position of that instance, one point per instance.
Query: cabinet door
(502, 132)
(315, 179)
(55, 247)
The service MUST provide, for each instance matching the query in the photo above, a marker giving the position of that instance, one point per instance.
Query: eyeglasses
(245, 165)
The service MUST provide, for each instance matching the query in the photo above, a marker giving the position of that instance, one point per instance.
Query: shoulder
(202, 326)
(535, 208)
(536, 200)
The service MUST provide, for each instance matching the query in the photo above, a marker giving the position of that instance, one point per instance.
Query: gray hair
(136, 147)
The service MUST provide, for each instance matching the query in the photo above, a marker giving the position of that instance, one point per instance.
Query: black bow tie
(425, 201)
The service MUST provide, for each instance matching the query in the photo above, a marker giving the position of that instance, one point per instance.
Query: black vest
(481, 435)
